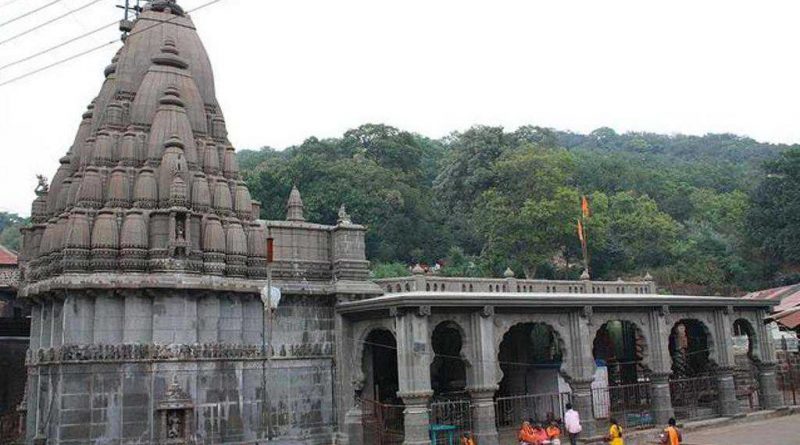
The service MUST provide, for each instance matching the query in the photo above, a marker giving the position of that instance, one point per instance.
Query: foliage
(10, 236)
(695, 211)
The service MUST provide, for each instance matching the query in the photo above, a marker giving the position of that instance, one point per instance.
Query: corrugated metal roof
(7, 256)
(787, 312)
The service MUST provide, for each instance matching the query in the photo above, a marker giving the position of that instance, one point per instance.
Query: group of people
(533, 433)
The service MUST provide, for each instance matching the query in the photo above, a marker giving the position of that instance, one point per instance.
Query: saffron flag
(585, 206)
(580, 231)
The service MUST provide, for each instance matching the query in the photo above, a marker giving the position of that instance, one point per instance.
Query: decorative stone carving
(487, 311)
(424, 311)
(588, 314)
(665, 314)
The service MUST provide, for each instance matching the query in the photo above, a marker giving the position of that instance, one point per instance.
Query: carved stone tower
(143, 265)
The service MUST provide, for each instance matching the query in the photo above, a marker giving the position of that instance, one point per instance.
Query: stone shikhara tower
(144, 262)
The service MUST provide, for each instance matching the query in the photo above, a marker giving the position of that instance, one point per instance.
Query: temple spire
(294, 207)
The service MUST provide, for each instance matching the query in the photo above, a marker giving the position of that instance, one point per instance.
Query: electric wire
(34, 11)
(93, 49)
(53, 20)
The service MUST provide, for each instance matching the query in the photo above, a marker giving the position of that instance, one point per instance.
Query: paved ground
(776, 431)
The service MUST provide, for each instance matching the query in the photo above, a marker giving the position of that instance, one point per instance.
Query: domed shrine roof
(151, 183)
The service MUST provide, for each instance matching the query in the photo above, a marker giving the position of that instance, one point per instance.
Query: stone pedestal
(582, 403)
(354, 426)
(768, 394)
(416, 420)
(726, 388)
(484, 428)
(660, 398)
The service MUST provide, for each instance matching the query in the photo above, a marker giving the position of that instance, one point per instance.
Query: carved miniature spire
(344, 218)
(585, 275)
(508, 273)
(294, 207)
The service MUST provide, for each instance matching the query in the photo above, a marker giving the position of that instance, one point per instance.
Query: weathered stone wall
(103, 383)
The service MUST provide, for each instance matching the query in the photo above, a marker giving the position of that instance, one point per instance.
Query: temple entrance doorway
(532, 387)
(693, 386)
(621, 389)
(382, 409)
(450, 404)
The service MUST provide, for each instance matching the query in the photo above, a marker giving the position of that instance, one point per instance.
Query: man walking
(572, 423)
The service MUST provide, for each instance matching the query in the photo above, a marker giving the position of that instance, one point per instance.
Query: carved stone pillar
(582, 403)
(354, 427)
(726, 388)
(416, 419)
(768, 394)
(413, 370)
(484, 427)
(660, 397)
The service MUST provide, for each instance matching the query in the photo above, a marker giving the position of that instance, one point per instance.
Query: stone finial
(294, 207)
(508, 273)
(648, 277)
(585, 275)
(41, 188)
(344, 218)
(417, 270)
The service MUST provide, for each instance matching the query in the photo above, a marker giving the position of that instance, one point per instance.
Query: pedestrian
(671, 434)
(614, 436)
(554, 433)
(572, 422)
(525, 434)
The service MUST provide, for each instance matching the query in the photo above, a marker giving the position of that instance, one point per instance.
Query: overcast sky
(289, 69)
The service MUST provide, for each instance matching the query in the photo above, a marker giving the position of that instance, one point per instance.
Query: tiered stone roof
(151, 182)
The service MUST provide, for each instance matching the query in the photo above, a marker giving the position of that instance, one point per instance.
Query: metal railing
(382, 423)
(456, 412)
(511, 411)
(695, 398)
(629, 404)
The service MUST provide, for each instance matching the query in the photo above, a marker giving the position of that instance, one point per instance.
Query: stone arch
(450, 369)
(526, 362)
(359, 340)
(624, 346)
(743, 326)
(691, 347)
(379, 348)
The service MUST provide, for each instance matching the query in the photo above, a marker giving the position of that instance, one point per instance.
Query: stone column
(484, 427)
(660, 362)
(581, 367)
(483, 378)
(413, 370)
(582, 403)
(726, 387)
(768, 395)
(660, 397)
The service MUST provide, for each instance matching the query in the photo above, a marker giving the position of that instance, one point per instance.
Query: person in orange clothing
(540, 433)
(671, 435)
(467, 439)
(526, 435)
(554, 433)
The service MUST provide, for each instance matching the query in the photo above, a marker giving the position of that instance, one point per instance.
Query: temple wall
(109, 392)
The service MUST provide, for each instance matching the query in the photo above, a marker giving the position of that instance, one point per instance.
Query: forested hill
(698, 213)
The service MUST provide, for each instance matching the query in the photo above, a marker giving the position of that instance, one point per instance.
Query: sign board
(271, 299)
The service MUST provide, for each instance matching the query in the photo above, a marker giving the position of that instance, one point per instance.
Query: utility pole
(126, 24)
(266, 338)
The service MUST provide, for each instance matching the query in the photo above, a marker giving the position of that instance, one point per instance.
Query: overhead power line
(34, 11)
(55, 47)
(55, 19)
(88, 51)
